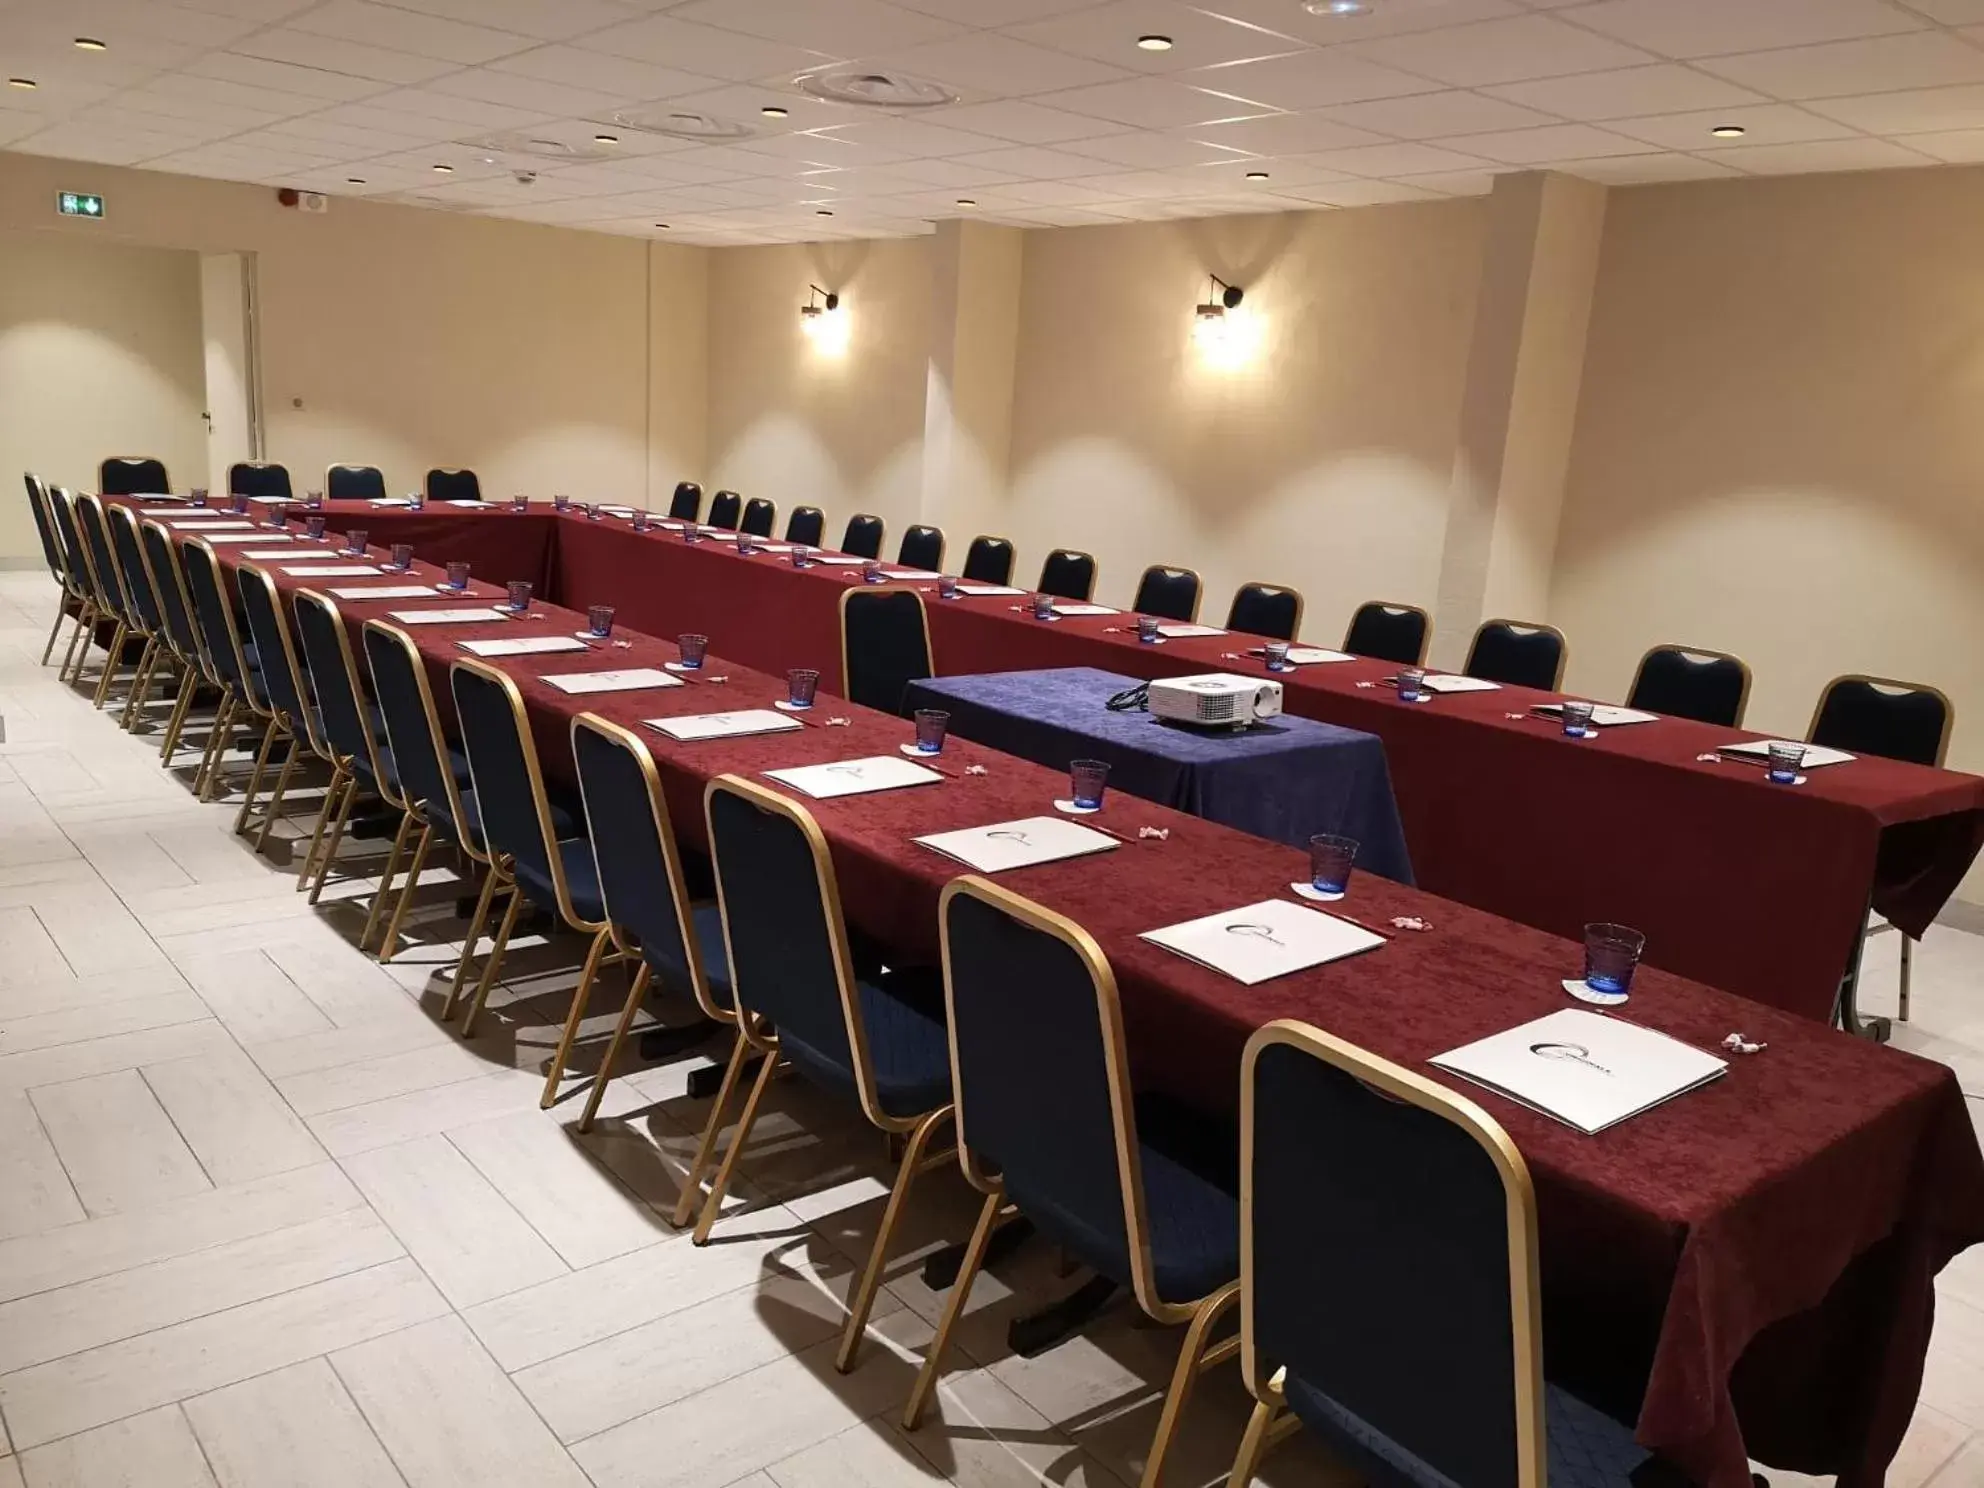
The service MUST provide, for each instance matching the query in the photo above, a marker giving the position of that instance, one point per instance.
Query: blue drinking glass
(800, 685)
(1330, 861)
(1611, 952)
(457, 574)
(1577, 719)
(1086, 782)
(354, 542)
(1276, 653)
(402, 558)
(519, 596)
(1043, 607)
(1785, 758)
(1147, 629)
(693, 648)
(313, 527)
(561, 503)
(947, 586)
(931, 724)
(520, 503)
(599, 620)
(1411, 684)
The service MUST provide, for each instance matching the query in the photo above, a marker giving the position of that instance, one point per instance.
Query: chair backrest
(334, 682)
(44, 526)
(98, 558)
(132, 475)
(355, 483)
(62, 509)
(146, 608)
(686, 505)
(1068, 574)
(807, 526)
(989, 560)
(413, 732)
(1389, 632)
(725, 509)
(182, 629)
(634, 849)
(509, 785)
(1878, 715)
(1041, 1074)
(1686, 682)
(1518, 654)
(1388, 1262)
(782, 926)
(1170, 592)
(884, 645)
(258, 478)
(863, 537)
(215, 615)
(922, 547)
(1266, 610)
(453, 485)
(760, 517)
(275, 647)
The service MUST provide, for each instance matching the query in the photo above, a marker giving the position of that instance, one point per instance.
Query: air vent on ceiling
(870, 88)
(542, 148)
(681, 124)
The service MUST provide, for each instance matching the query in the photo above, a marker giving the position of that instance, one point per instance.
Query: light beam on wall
(1227, 334)
(824, 321)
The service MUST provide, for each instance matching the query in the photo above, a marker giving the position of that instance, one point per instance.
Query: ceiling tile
(1950, 12)
(1395, 160)
(1505, 51)
(106, 147)
(994, 12)
(1957, 146)
(330, 54)
(269, 100)
(913, 138)
(1108, 33)
(1282, 171)
(1428, 115)
(959, 173)
(1763, 124)
(1364, 193)
(613, 77)
(354, 141)
(487, 85)
(1702, 28)
(1310, 79)
(389, 121)
(1287, 134)
(1021, 123)
(1149, 151)
(1030, 162)
(405, 31)
(1458, 183)
(995, 65)
(701, 49)
(1392, 18)
(1915, 111)
(829, 148)
(1553, 142)
(841, 29)
(1153, 185)
(744, 103)
(1665, 87)
(1152, 103)
(204, 110)
(547, 20)
(1635, 170)
(1821, 155)
(259, 72)
(1922, 59)
(461, 111)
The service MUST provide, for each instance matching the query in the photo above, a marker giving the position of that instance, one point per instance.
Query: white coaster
(587, 636)
(676, 666)
(1583, 992)
(1312, 893)
(1073, 810)
(914, 753)
(785, 706)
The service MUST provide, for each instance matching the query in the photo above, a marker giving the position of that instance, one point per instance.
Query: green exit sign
(79, 204)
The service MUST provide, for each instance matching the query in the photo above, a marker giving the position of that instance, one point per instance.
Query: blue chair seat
(1587, 1448)
(581, 878)
(706, 922)
(906, 1044)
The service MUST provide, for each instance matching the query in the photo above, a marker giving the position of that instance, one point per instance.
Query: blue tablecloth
(1286, 780)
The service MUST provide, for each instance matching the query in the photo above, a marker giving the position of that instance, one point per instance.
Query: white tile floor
(263, 1220)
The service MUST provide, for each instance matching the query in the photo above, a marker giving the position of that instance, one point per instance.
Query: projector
(1217, 700)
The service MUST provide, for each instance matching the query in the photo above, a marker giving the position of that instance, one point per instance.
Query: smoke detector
(869, 87)
(681, 124)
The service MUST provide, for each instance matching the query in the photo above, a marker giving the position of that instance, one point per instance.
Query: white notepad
(293, 553)
(1759, 753)
(1605, 715)
(394, 501)
(632, 679)
(1584, 1069)
(208, 524)
(1448, 682)
(618, 511)
(1186, 632)
(779, 548)
(906, 573)
(1315, 656)
(342, 571)
(696, 726)
(448, 617)
(1259, 942)
(719, 534)
(981, 591)
(241, 537)
(857, 777)
(523, 646)
(1084, 609)
(273, 500)
(1019, 844)
(843, 562)
(465, 502)
(385, 591)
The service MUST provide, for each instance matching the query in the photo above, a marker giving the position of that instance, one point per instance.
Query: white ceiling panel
(1663, 88)
(547, 20)
(1153, 103)
(1393, 18)
(1288, 134)
(1457, 183)
(1955, 146)
(730, 55)
(1763, 124)
(1310, 79)
(282, 77)
(842, 28)
(1363, 193)
(1109, 33)
(1553, 142)
(1395, 160)
(1920, 59)
(616, 78)
(1148, 151)
(1822, 155)
(1639, 170)
(994, 12)
(1707, 28)
(992, 65)
(1916, 111)
(407, 31)
(1427, 115)
(1505, 51)
(333, 54)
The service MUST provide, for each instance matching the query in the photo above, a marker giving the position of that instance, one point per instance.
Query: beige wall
(1320, 460)
(100, 353)
(799, 420)
(1780, 444)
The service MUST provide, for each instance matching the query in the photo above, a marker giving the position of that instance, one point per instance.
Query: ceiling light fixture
(91, 44)
(1729, 131)
(662, 225)
(1211, 312)
(1154, 43)
(444, 170)
(22, 83)
(354, 180)
(1335, 8)
(823, 212)
(606, 139)
(965, 201)
(772, 111)
(1257, 175)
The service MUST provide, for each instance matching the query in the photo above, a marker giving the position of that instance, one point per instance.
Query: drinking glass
(519, 596)
(354, 542)
(520, 503)
(1277, 655)
(1577, 719)
(561, 503)
(947, 586)
(1330, 860)
(238, 504)
(693, 649)
(691, 533)
(599, 620)
(278, 514)
(802, 556)
(800, 684)
(1147, 629)
(930, 726)
(1086, 781)
(641, 519)
(1043, 607)
(198, 497)
(746, 544)
(871, 571)
(457, 574)
(1411, 684)
(1784, 762)
(313, 527)
(1610, 954)
(416, 501)
(594, 511)
(313, 500)
(402, 558)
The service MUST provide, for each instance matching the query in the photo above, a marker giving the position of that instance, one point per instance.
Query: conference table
(1744, 1271)
(1758, 889)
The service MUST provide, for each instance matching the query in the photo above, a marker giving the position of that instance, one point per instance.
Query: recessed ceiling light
(606, 139)
(22, 83)
(1335, 7)
(91, 44)
(662, 225)
(444, 170)
(773, 112)
(1257, 175)
(1154, 43)
(354, 180)
(823, 212)
(965, 201)
(1729, 131)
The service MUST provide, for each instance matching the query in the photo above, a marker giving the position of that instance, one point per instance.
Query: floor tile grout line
(70, 965)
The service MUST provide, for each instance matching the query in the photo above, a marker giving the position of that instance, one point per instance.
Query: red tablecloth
(1751, 1263)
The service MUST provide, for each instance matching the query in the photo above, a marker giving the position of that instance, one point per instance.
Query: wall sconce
(819, 304)
(1227, 337)
(1211, 322)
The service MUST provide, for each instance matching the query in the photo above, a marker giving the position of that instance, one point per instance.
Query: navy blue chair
(293, 721)
(1687, 682)
(725, 509)
(235, 668)
(453, 485)
(70, 602)
(1266, 610)
(1068, 574)
(147, 609)
(875, 1042)
(1389, 632)
(62, 509)
(863, 537)
(544, 861)
(1049, 1122)
(182, 632)
(132, 475)
(760, 517)
(807, 526)
(648, 907)
(112, 604)
(989, 560)
(1171, 593)
(258, 478)
(686, 505)
(884, 645)
(1518, 654)
(1389, 1292)
(922, 547)
(354, 483)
